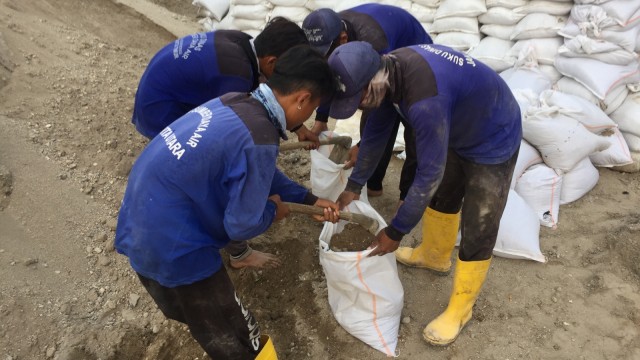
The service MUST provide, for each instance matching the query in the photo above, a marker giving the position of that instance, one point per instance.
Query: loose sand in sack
(353, 238)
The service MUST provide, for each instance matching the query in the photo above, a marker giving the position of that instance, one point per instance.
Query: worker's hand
(346, 198)
(353, 156)
(331, 211)
(305, 135)
(318, 127)
(383, 244)
(282, 210)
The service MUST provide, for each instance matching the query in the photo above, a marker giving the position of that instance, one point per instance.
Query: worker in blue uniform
(209, 178)
(386, 28)
(203, 66)
(468, 131)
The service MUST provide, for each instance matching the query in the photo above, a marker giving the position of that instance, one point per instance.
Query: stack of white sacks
(574, 68)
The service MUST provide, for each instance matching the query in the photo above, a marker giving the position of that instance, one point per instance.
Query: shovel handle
(341, 140)
(368, 223)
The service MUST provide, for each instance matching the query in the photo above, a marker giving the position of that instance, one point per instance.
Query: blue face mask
(276, 113)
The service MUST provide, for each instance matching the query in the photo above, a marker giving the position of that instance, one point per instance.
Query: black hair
(278, 36)
(302, 67)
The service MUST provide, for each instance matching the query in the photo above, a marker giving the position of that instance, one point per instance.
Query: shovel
(368, 223)
(339, 153)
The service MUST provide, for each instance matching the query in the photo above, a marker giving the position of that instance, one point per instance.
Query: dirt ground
(68, 74)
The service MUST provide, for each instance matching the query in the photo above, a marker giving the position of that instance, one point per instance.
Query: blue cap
(354, 65)
(322, 26)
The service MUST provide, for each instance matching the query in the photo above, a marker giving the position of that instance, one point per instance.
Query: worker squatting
(171, 140)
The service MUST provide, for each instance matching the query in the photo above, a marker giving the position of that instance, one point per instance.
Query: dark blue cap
(322, 26)
(354, 65)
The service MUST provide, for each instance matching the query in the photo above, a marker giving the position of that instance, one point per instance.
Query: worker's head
(325, 30)
(301, 79)
(278, 36)
(355, 65)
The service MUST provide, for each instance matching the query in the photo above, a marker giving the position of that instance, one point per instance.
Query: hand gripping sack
(365, 293)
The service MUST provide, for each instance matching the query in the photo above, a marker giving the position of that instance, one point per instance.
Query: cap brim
(345, 108)
(322, 49)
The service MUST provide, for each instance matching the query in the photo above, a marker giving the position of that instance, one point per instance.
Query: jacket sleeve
(249, 213)
(430, 119)
(374, 139)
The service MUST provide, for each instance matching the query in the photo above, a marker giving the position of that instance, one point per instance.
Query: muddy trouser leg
(375, 181)
(215, 316)
(485, 189)
(410, 163)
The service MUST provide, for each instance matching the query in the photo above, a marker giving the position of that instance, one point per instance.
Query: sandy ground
(68, 73)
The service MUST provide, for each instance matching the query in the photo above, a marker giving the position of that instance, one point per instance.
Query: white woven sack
(500, 16)
(422, 13)
(594, 22)
(498, 31)
(217, 8)
(296, 14)
(600, 78)
(429, 3)
(538, 25)
(578, 181)
(251, 12)
(509, 4)
(365, 293)
(547, 7)
(627, 116)
(403, 4)
(246, 24)
(526, 77)
(633, 141)
(246, 2)
(519, 231)
(626, 12)
(589, 114)
(545, 49)
(332, 4)
(561, 140)
(328, 179)
(552, 73)
(601, 50)
(296, 3)
(468, 8)
(614, 99)
(527, 157)
(526, 98)
(493, 52)
(455, 23)
(617, 154)
(540, 187)
(458, 40)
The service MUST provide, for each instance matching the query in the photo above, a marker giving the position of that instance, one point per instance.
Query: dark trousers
(216, 318)
(410, 164)
(484, 189)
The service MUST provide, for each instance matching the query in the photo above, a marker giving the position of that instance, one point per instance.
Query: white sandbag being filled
(578, 181)
(540, 187)
(328, 179)
(365, 293)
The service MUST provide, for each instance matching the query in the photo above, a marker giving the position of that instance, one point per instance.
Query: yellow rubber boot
(467, 282)
(268, 351)
(439, 234)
